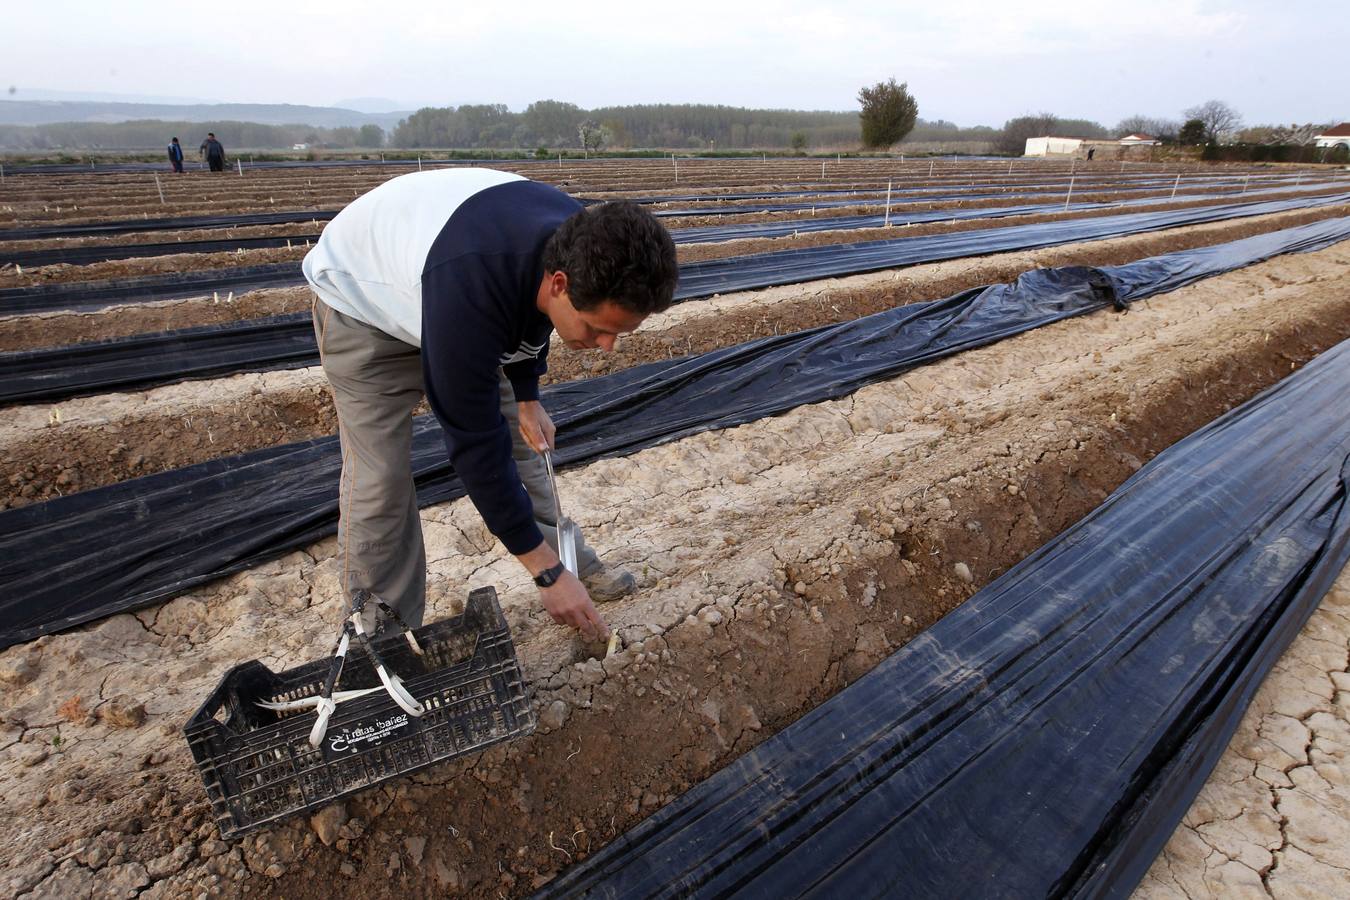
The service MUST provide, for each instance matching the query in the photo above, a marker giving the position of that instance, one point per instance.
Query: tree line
(888, 115)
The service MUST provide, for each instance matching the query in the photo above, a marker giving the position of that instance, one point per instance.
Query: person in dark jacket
(449, 284)
(214, 152)
(176, 155)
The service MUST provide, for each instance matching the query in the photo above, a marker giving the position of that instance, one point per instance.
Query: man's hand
(569, 604)
(535, 425)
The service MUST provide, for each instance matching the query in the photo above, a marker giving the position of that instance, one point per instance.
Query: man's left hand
(535, 425)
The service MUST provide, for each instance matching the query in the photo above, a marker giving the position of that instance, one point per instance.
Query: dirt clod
(554, 715)
(17, 670)
(123, 712)
(32, 756)
(327, 822)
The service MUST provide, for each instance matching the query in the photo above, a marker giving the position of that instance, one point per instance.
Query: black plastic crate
(258, 766)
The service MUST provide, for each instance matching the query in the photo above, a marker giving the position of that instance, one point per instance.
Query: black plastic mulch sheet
(900, 216)
(901, 200)
(740, 273)
(95, 253)
(117, 548)
(701, 279)
(144, 360)
(169, 223)
(1045, 738)
(147, 288)
(280, 342)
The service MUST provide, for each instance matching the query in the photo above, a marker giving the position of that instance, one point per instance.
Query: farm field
(779, 560)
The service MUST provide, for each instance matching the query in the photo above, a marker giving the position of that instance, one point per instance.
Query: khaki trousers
(376, 381)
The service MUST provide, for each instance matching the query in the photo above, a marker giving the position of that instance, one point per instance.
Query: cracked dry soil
(1274, 818)
(778, 561)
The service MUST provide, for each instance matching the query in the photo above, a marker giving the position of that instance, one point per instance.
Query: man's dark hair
(615, 251)
(210, 134)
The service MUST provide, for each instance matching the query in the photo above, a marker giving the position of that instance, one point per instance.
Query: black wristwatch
(549, 576)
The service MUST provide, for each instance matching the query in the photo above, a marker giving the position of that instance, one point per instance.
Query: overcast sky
(968, 62)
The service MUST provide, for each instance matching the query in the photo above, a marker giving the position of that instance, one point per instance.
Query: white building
(1139, 139)
(1053, 146)
(1338, 136)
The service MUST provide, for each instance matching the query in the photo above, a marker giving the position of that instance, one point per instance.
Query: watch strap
(550, 576)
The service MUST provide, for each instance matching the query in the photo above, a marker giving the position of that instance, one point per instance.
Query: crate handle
(392, 683)
(326, 703)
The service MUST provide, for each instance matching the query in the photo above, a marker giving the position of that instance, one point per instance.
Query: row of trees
(888, 115)
(553, 123)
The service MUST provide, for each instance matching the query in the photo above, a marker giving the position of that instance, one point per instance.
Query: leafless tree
(1146, 125)
(1220, 119)
(1013, 139)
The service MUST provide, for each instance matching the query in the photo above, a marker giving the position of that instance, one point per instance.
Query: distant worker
(1091, 151)
(449, 283)
(214, 152)
(176, 155)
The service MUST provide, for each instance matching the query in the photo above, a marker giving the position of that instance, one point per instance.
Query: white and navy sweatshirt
(451, 261)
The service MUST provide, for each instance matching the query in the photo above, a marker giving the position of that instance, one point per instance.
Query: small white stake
(240, 163)
(822, 168)
(159, 187)
(888, 204)
(1069, 194)
(1244, 182)
(419, 162)
(930, 168)
(1175, 185)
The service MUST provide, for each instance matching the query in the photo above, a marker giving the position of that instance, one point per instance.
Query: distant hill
(47, 112)
(371, 105)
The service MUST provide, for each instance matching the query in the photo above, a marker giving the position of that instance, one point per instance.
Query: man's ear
(558, 283)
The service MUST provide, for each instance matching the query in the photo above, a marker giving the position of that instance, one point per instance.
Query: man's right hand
(569, 604)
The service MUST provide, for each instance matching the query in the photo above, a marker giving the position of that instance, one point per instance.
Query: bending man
(449, 283)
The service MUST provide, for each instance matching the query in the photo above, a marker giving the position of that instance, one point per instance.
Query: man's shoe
(606, 585)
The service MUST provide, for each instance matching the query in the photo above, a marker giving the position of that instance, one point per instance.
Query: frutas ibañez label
(362, 737)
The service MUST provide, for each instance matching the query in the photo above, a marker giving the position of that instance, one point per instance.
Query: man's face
(599, 327)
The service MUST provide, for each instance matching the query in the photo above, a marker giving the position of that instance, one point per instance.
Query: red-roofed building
(1338, 136)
